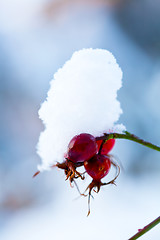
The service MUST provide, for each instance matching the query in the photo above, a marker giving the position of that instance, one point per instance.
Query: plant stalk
(128, 136)
(145, 229)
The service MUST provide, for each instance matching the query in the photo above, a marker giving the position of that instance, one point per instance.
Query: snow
(82, 99)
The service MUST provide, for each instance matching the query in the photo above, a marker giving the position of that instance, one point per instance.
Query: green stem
(145, 229)
(129, 136)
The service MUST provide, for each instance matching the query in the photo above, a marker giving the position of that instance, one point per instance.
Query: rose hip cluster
(85, 150)
(92, 153)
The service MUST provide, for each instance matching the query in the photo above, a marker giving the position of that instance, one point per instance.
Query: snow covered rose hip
(76, 101)
(82, 147)
(75, 104)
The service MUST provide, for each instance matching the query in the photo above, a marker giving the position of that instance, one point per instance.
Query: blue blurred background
(36, 38)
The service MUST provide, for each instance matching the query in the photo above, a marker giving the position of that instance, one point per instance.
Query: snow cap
(82, 99)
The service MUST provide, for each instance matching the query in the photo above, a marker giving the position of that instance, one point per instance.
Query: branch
(145, 229)
(128, 136)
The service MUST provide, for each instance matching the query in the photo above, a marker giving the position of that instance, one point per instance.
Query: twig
(128, 136)
(145, 229)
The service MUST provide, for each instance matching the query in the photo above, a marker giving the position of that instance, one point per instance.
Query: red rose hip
(107, 146)
(98, 166)
(82, 147)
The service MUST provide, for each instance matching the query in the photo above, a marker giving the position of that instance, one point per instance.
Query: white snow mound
(82, 99)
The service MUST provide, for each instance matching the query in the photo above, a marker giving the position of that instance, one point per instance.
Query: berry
(98, 166)
(82, 147)
(107, 146)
